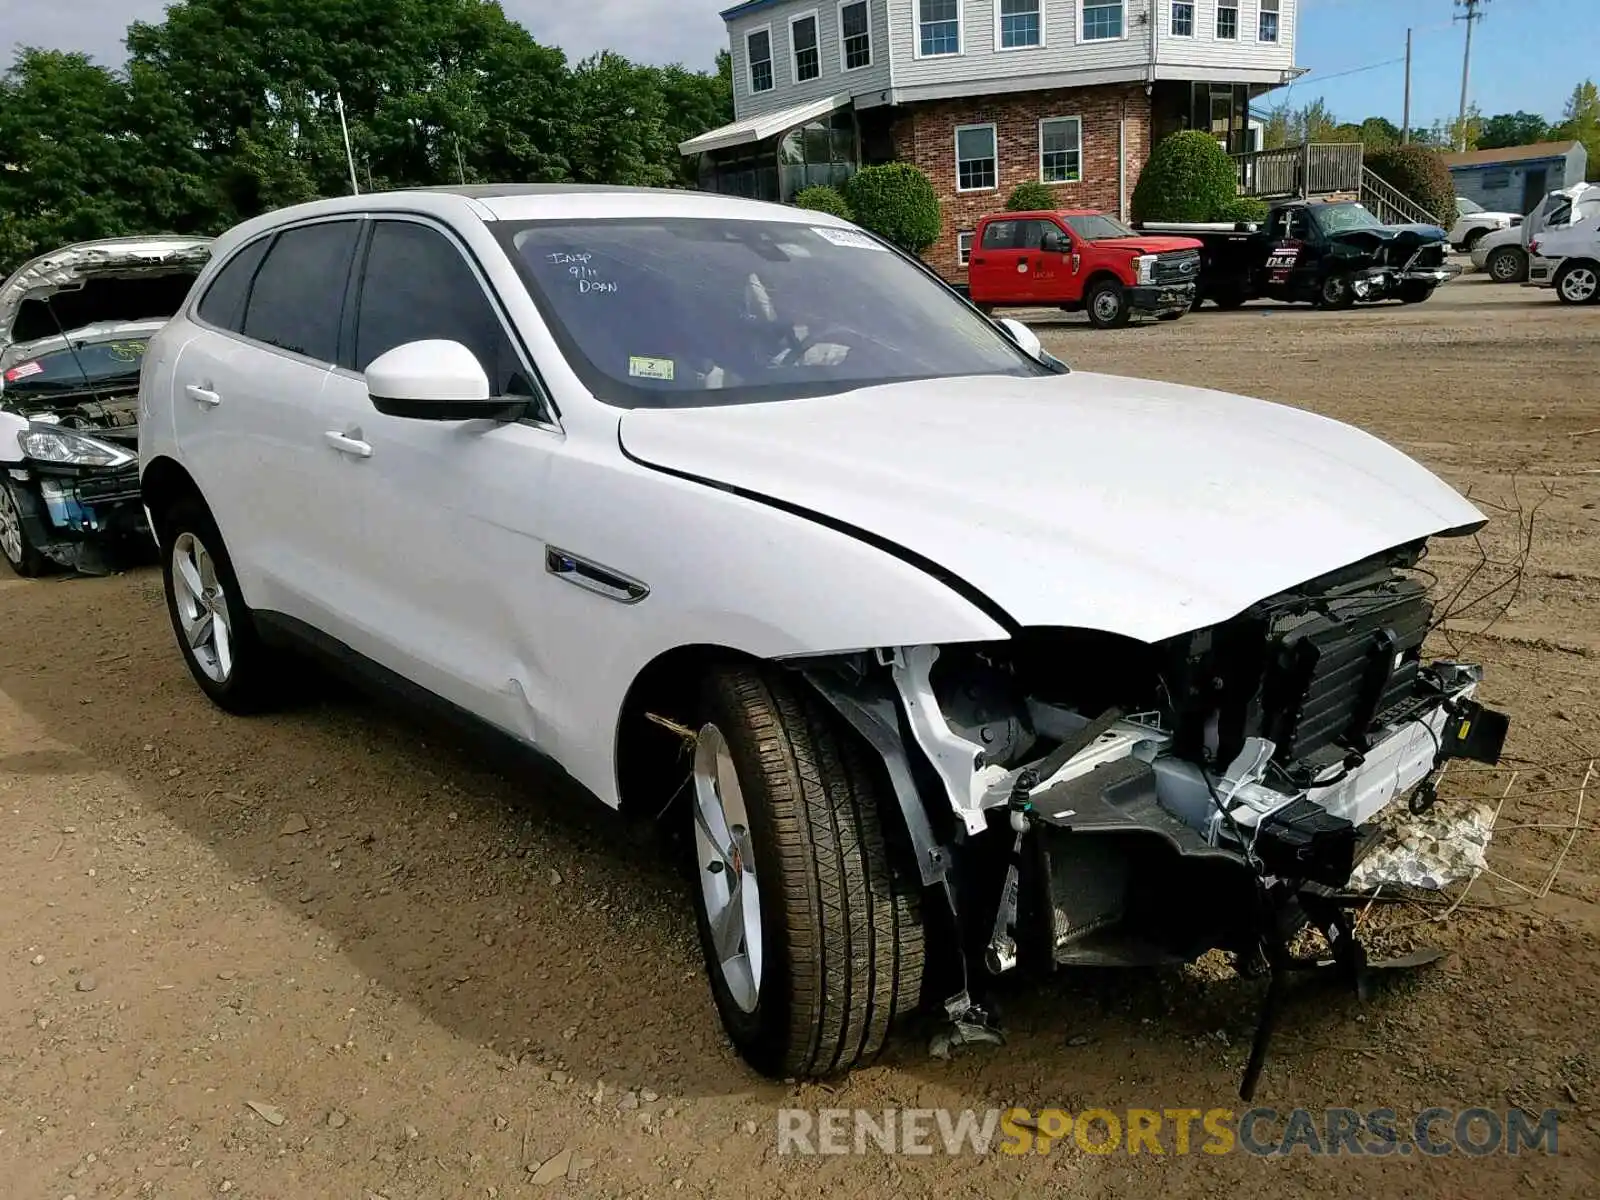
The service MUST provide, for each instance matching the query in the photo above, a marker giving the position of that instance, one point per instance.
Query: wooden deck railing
(1312, 169)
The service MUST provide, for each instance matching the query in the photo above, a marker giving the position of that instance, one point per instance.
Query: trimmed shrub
(1244, 208)
(1032, 196)
(1419, 174)
(1189, 177)
(897, 202)
(824, 199)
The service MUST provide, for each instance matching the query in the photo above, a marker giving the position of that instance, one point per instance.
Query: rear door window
(298, 295)
(417, 285)
(223, 303)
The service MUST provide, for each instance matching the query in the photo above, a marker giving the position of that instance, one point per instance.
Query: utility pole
(1405, 131)
(1474, 14)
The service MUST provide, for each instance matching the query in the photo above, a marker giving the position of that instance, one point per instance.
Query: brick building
(986, 94)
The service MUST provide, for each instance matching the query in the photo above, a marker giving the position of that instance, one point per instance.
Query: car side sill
(505, 752)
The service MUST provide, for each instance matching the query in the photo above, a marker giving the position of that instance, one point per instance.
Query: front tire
(1578, 283)
(24, 558)
(1507, 264)
(215, 629)
(1473, 238)
(1336, 293)
(809, 923)
(1107, 303)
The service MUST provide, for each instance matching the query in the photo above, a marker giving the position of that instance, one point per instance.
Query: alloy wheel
(10, 527)
(1580, 285)
(202, 608)
(727, 867)
(1505, 268)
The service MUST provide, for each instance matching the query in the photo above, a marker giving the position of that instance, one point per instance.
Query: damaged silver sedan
(74, 325)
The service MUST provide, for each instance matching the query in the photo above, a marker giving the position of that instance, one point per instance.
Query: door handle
(202, 395)
(345, 444)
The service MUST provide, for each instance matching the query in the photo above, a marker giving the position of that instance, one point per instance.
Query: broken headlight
(47, 443)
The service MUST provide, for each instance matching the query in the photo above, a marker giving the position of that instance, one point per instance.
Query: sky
(1527, 54)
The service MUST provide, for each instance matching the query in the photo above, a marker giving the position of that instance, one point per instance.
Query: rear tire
(812, 978)
(21, 554)
(1507, 264)
(216, 631)
(1578, 283)
(1107, 303)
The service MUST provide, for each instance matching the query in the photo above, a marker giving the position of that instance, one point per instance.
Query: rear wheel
(809, 922)
(215, 629)
(1107, 303)
(1507, 264)
(1578, 283)
(19, 552)
(1336, 292)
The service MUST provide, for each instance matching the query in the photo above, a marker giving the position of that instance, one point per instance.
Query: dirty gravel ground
(430, 976)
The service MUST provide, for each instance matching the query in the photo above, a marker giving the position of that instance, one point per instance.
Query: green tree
(1580, 122)
(1188, 177)
(1418, 173)
(822, 198)
(618, 130)
(1031, 196)
(1377, 132)
(1513, 129)
(1279, 128)
(896, 201)
(1316, 123)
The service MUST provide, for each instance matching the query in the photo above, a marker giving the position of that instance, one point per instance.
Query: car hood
(115, 279)
(1093, 501)
(1147, 244)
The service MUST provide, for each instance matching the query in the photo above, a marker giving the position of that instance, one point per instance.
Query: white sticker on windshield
(641, 367)
(852, 238)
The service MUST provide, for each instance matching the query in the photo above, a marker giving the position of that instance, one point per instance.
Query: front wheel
(19, 552)
(1336, 292)
(1578, 283)
(1473, 238)
(810, 925)
(1107, 303)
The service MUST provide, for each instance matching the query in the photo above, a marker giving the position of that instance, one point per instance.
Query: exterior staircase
(1389, 204)
(1326, 170)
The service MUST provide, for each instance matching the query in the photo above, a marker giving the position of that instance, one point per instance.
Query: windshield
(695, 311)
(89, 365)
(1342, 218)
(1098, 227)
(1465, 207)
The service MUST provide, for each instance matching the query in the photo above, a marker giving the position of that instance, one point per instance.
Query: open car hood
(117, 279)
(1093, 501)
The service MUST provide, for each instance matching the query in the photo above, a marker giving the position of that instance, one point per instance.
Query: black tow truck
(1330, 253)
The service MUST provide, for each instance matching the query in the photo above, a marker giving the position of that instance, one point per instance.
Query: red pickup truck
(1081, 261)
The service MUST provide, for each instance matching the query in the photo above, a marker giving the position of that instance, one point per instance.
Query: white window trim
(1061, 182)
(1194, 18)
(916, 31)
(994, 136)
(1044, 35)
(794, 55)
(749, 63)
(1238, 19)
(839, 13)
(1077, 25)
(964, 258)
(1278, 12)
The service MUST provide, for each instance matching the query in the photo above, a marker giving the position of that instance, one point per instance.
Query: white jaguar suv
(949, 659)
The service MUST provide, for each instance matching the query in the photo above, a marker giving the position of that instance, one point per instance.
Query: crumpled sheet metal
(131, 256)
(1445, 844)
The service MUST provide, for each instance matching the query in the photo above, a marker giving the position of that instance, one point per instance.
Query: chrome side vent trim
(613, 585)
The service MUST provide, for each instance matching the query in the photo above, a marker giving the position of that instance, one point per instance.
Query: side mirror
(435, 381)
(1054, 242)
(1024, 337)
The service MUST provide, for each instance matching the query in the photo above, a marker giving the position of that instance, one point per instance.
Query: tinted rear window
(299, 291)
(223, 303)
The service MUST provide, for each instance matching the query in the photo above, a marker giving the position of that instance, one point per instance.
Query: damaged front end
(74, 325)
(1083, 799)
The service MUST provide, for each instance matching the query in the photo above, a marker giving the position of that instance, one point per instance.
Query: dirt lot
(436, 977)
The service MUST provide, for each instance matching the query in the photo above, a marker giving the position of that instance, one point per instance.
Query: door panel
(1003, 266)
